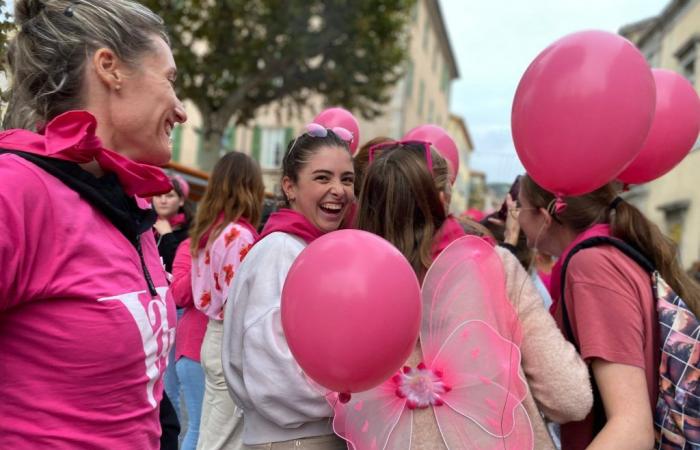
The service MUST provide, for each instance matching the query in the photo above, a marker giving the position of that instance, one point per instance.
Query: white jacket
(278, 401)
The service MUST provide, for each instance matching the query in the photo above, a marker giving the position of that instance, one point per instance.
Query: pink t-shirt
(612, 312)
(214, 267)
(83, 343)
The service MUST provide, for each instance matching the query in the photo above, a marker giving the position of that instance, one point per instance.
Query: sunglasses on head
(318, 130)
(376, 150)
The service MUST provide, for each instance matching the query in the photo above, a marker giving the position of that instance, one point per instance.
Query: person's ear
(548, 219)
(289, 189)
(444, 201)
(110, 70)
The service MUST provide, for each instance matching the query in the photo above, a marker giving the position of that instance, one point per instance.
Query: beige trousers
(222, 421)
(330, 442)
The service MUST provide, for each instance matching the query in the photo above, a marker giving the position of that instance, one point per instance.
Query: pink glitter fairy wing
(470, 337)
(471, 376)
(374, 420)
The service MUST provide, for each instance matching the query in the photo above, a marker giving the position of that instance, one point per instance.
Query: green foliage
(7, 25)
(235, 56)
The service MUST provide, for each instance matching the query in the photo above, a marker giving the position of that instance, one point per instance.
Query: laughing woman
(85, 324)
(281, 409)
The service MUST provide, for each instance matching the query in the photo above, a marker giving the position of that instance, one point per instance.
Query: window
(273, 142)
(674, 219)
(436, 52)
(421, 97)
(445, 79)
(688, 68)
(177, 142)
(409, 79)
(228, 140)
(426, 32)
(686, 58)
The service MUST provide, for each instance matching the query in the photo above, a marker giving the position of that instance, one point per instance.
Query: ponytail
(626, 223)
(629, 224)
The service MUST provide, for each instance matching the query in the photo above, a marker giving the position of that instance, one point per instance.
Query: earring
(118, 87)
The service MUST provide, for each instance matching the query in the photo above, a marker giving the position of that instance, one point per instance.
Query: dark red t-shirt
(612, 312)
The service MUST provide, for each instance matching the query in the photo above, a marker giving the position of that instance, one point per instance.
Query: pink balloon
(582, 111)
(442, 142)
(351, 310)
(673, 132)
(339, 117)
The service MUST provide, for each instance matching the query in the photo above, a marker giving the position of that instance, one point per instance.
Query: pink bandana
(292, 222)
(71, 137)
(450, 231)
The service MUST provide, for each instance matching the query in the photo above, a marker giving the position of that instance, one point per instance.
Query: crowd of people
(119, 318)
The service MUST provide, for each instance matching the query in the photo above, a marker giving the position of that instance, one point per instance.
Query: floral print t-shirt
(215, 266)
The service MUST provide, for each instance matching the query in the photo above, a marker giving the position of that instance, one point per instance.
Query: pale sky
(495, 40)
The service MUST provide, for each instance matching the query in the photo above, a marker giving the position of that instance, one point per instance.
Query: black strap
(599, 417)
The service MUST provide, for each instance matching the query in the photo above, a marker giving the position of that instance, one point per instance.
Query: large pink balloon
(351, 310)
(582, 111)
(442, 142)
(339, 117)
(673, 131)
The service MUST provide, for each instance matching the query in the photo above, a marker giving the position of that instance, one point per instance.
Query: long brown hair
(400, 201)
(235, 189)
(626, 223)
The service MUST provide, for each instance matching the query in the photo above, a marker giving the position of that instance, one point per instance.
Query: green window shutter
(200, 142)
(421, 97)
(257, 135)
(288, 136)
(177, 142)
(230, 138)
(409, 79)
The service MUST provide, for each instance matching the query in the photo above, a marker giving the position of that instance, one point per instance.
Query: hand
(511, 225)
(162, 226)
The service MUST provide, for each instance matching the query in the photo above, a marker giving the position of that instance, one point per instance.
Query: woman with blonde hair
(223, 232)
(85, 323)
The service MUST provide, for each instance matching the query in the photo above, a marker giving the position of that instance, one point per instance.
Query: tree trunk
(212, 131)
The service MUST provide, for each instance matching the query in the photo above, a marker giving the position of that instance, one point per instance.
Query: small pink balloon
(442, 142)
(339, 117)
(351, 310)
(673, 132)
(582, 111)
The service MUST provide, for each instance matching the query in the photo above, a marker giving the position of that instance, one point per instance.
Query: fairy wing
(470, 335)
(374, 420)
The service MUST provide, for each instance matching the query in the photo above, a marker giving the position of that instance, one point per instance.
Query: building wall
(673, 201)
(460, 191)
(421, 96)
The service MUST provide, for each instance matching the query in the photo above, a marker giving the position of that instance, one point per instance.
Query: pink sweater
(193, 323)
(83, 342)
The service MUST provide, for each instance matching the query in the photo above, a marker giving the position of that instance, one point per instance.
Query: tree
(235, 56)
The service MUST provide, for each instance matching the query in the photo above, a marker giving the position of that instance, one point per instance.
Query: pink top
(215, 265)
(84, 344)
(193, 323)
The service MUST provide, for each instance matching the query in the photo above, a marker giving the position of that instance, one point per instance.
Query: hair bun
(25, 10)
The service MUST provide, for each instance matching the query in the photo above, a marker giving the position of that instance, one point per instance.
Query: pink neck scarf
(292, 222)
(71, 137)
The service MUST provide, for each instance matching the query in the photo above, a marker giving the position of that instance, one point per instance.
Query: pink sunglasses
(402, 144)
